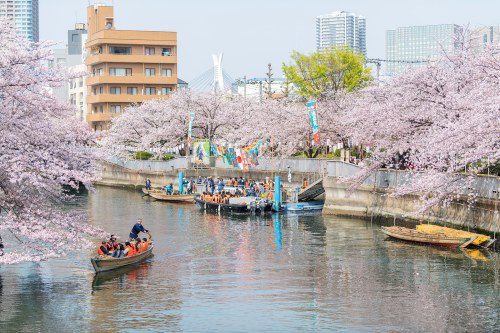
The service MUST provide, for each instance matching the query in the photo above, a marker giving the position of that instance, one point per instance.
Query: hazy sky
(252, 33)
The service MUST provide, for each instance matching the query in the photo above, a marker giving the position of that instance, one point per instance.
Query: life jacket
(144, 246)
(100, 251)
(131, 251)
(306, 184)
(247, 184)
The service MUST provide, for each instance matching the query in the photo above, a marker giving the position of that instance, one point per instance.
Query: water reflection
(224, 273)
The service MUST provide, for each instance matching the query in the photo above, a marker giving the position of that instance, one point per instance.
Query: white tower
(218, 83)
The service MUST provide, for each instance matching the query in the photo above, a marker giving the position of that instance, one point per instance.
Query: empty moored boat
(481, 240)
(426, 237)
(107, 263)
(162, 196)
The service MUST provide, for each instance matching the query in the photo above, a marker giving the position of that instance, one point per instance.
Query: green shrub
(143, 155)
(168, 157)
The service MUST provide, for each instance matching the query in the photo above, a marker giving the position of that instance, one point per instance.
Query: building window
(98, 90)
(149, 51)
(150, 71)
(120, 71)
(166, 91)
(166, 51)
(98, 71)
(132, 91)
(166, 72)
(150, 91)
(80, 82)
(121, 50)
(115, 90)
(116, 108)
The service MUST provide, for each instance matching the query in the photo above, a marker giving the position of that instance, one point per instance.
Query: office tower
(125, 66)
(341, 29)
(24, 14)
(413, 46)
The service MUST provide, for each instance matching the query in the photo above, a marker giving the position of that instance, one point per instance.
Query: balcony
(105, 116)
(132, 80)
(133, 58)
(122, 98)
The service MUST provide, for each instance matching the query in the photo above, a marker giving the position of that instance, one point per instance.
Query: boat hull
(232, 208)
(162, 196)
(413, 235)
(103, 264)
(481, 240)
(298, 207)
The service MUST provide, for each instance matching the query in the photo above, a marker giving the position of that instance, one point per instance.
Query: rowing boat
(481, 240)
(162, 196)
(107, 263)
(426, 237)
(153, 190)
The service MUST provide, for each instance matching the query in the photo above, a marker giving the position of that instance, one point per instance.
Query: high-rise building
(125, 66)
(413, 46)
(24, 13)
(76, 39)
(341, 29)
(484, 36)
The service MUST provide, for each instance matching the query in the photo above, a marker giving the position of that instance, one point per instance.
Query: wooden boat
(427, 238)
(481, 240)
(154, 190)
(240, 208)
(162, 196)
(107, 263)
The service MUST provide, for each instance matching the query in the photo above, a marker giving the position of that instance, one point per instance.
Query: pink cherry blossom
(44, 152)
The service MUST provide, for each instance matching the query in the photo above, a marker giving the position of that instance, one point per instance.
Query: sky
(253, 33)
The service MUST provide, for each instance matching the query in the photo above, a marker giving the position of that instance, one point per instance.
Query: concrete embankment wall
(372, 199)
(369, 202)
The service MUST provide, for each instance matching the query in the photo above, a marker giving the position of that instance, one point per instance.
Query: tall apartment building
(406, 46)
(24, 13)
(125, 66)
(341, 29)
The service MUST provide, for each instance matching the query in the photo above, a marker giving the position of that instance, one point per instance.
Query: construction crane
(378, 62)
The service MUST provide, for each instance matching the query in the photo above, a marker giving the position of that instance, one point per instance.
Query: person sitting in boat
(148, 184)
(169, 189)
(144, 244)
(119, 251)
(136, 229)
(129, 250)
(103, 249)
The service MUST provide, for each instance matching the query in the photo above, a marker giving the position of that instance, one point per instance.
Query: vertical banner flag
(313, 115)
(190, 130)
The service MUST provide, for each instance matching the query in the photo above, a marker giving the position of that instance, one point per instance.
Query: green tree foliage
(325, 73)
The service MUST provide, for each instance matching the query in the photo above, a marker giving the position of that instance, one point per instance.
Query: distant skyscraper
(484, 36)
(341, 28)
(24, 13)
(418, 43)
(76, 38)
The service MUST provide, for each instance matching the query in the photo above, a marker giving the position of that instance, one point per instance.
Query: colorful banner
(313, 116)
(242, 158)
(190, 130)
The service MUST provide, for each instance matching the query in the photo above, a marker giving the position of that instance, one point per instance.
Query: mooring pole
(181, 182)
(277, 193)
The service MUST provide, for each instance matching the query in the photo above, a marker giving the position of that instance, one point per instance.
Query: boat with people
(112, 255)
(481, 240)
(107, 263)
(414, 235)
(152, 190)
(239, 205)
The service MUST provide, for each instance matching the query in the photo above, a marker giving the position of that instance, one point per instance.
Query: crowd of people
(133, 246)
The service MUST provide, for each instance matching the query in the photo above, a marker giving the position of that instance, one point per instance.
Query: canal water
(214, 273)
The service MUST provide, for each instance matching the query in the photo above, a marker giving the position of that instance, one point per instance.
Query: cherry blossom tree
(44, 154)
(163, 124)
(438, 120)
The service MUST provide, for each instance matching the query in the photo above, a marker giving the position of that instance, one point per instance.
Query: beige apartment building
(125, 66)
